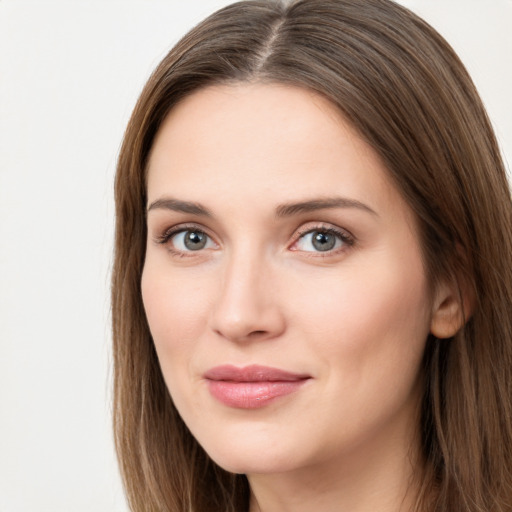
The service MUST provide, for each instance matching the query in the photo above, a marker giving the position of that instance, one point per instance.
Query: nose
(247, 307)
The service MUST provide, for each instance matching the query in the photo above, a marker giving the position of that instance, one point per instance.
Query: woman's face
(283, 282)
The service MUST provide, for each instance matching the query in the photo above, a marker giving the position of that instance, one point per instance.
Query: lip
(253, 386)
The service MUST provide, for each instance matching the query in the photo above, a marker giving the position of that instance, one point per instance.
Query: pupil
(323, 241)
(195, 240)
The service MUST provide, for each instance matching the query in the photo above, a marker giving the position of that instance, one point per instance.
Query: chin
(251, 464)
(251, 456)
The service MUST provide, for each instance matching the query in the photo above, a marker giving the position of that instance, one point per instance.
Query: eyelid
(165, 236)
(346, 237)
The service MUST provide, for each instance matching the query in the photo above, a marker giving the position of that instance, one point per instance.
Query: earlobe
(452, 308)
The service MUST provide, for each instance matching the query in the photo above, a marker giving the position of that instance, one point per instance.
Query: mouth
(251, 387)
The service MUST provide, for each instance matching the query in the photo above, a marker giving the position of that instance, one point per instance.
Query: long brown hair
(406, 92)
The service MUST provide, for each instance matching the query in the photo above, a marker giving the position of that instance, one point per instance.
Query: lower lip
(252, 395)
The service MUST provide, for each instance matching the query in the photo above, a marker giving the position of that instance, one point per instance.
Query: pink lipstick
(252, 386)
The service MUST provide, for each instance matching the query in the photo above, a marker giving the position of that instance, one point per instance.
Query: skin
(355, 319)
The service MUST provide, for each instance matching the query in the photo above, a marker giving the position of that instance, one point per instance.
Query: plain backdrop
(70, 73)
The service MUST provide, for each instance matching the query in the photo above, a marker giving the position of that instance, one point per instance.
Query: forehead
(249, 115)
(261, 141)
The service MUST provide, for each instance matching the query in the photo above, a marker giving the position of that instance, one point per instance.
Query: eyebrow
(179, 206)
(284, 210)
(290, 209)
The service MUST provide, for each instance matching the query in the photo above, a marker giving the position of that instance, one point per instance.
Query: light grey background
(70, 72)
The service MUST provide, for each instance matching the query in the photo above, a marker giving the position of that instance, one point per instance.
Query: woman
(312, 283)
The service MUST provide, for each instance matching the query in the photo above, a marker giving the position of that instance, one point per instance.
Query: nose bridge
(246, 305)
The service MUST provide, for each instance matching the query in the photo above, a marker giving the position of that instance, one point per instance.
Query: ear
(452, 307)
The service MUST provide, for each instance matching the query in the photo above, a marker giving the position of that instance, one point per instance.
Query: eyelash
(346, 238)
(166, 236)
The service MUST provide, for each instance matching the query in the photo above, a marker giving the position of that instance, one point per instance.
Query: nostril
(257, 334)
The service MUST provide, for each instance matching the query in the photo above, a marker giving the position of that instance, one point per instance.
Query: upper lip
(252, 373)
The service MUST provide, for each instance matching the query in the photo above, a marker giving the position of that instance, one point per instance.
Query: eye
(322, 240)
(187, 240)
(190, 240)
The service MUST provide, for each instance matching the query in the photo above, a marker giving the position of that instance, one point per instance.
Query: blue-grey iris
(195, 240)
(323, 241)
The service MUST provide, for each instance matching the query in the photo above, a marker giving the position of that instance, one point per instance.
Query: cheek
(175, 307)
(387, 305)
(373, 318)
(367, 333)
(177, 310)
